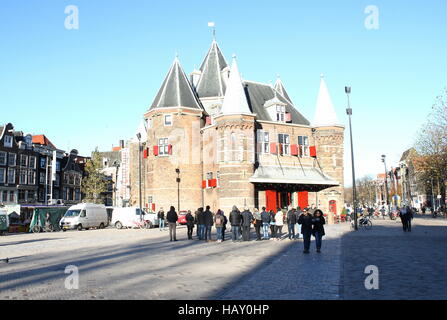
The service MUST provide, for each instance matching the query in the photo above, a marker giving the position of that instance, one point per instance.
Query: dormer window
(280, 113)
(8, 141)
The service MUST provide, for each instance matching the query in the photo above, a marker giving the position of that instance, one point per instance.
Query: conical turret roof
(325, 113)
(211, 82)
(235, 100)
(279, 86)
(176, 90)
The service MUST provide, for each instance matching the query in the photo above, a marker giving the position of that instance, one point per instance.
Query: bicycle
(364, 222)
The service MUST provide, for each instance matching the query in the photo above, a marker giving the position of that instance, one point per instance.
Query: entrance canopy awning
(295, 178)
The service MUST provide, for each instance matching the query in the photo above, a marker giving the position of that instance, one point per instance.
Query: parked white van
(85, 216)
(129, 217)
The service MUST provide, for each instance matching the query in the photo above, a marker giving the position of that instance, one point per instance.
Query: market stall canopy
(298, 178)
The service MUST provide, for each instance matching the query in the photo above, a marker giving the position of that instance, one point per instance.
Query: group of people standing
(268, 224)
(406, 215)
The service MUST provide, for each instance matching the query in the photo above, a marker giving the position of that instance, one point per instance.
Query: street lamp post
(139, 172)
(354, 192)
(386, 184)
(116, 164)
(178, 188)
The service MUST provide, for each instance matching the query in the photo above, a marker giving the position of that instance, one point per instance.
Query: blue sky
(90, 87)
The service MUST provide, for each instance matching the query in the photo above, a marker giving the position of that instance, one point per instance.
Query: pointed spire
(211, 83)
(235, 101)
(176, 90)
(279, 86)
(325, 113)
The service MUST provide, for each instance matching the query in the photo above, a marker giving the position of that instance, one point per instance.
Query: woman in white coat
(279, 222)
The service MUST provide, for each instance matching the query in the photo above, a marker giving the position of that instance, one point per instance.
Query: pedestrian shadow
(27, 241)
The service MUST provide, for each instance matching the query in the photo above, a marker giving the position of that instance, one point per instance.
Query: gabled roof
(43, 140)
(235, 101)
(211, 82)
(324, 113)
(259, 93)
(176, 90)
(279, 86)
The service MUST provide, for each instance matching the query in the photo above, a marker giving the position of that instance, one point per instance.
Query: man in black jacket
(265, 217)
(208, 221)
(172, 218)
(235, 221)
(305, 220)
(200, 224)
(291, 221)
(247, 218)
(190, 224)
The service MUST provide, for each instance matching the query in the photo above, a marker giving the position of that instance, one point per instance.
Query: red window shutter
(208, 120)
(294, 150)
(280, 149)
(153, 207)
(212, 183)
(288, 117)
(273, 149)
(155, 150)
(145, 153)
(313, 151)
(204, 183)
(170, 149)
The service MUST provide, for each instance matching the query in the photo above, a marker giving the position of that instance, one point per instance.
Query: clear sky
(90, 87)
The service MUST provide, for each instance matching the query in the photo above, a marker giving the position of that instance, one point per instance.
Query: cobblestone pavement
(411, 265)
(143, 264)
(292, 275)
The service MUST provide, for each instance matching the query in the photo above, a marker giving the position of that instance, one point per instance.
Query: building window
(23, 160)
(8, 141)
(303, 144)
(43, 162)
(5, 196)
(31, 177)
(281, 113)
(57, 181)
(77, 195)
(42, 177)
(12, 159)
(22, 195)
(2, 175)
(12, 197)
(209, 176)
(11, 175)
(163, 146)
(168, 119)
(32, 162)
(31, 196)
(263, 141)
(23, 176)
(284, 141)
(58, 165)
(71, 179)
(3, 156)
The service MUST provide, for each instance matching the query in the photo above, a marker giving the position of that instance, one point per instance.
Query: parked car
(182, 217)
(85, 216)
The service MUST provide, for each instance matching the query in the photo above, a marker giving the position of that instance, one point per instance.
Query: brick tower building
(216, 139)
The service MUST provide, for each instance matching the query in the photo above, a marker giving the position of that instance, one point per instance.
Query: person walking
(235, 221)
(200, 223)
(402, 213)
(247, 218)
(190, 224)
(409, 218)
(279, 222)
(258, 223)
(265, 217)
(224, 227)
(272, 225)
(305, 220)
(172, 218)
(161, 219)
(318, 228)
(291, 222)
(298, 227)
(219, 222)
(209, 221)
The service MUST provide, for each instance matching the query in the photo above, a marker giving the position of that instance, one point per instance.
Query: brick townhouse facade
(233, 141)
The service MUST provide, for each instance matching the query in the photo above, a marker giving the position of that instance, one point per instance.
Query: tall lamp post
(116, 164)
(354, 192)
(386, 183)
(139, 172)
(178, 188)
